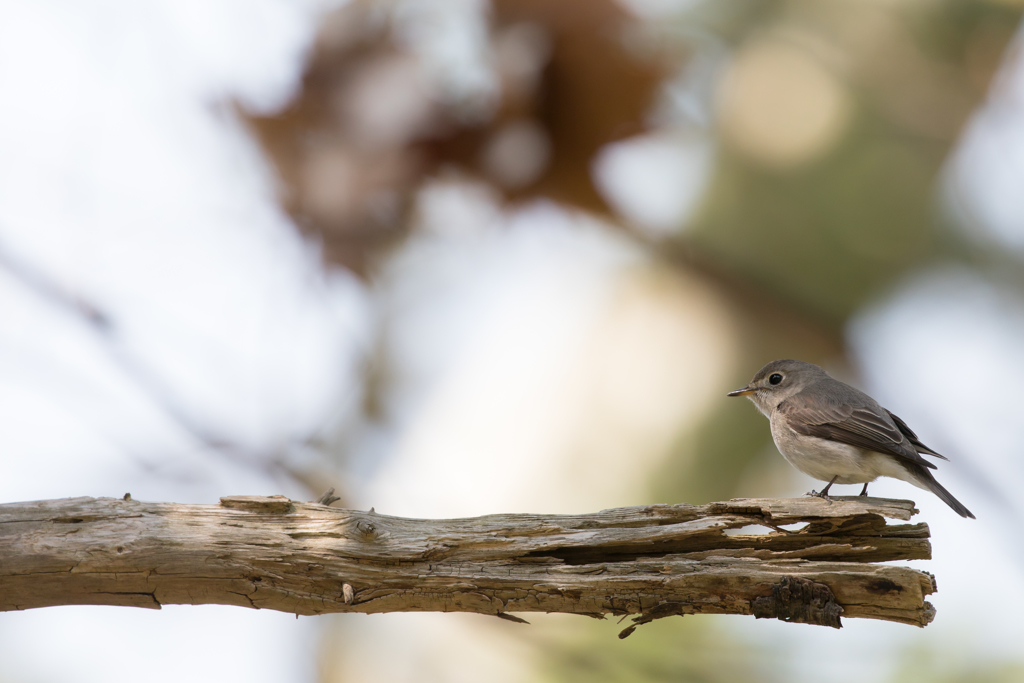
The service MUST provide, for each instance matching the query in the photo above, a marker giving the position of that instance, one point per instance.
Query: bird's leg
(824, 491)
(864, 491)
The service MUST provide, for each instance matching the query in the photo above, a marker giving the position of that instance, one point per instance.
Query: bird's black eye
(775, 378)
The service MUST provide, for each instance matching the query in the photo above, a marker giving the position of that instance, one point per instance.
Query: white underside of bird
(824, 459)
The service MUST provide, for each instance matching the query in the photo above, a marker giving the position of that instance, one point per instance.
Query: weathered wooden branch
(306, 558)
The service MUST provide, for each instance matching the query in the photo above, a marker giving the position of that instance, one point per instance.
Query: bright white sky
(126, 179)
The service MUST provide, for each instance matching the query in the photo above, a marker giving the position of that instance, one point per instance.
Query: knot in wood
(800, 601)
(367, 528)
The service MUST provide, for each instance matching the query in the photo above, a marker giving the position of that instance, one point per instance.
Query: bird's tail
(927, 481)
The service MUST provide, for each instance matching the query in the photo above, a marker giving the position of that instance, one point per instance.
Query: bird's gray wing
(863, 426)
(912, 437)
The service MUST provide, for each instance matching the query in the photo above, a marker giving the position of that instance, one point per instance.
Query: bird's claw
(823, 495)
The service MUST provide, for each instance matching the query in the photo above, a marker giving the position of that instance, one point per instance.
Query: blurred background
(457, 257)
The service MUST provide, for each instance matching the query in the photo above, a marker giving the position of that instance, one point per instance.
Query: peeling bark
(305, 558)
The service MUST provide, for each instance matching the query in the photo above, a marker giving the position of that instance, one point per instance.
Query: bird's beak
(741, 392)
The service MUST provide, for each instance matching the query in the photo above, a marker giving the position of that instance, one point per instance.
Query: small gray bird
(838, 434)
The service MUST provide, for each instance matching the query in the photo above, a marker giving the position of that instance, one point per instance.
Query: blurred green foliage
(683, 650)
(831, 236)
(925, 665)
(722, 448)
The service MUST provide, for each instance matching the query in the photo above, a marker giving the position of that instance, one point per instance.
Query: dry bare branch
(304, 558)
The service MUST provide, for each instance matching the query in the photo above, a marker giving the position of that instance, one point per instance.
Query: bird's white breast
(824, 459)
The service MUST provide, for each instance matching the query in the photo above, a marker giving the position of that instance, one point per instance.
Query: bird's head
(777, 381)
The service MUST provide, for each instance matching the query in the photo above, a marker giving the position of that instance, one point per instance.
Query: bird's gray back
(829, 409)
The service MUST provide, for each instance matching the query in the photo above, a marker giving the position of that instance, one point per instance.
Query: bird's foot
(824, 491)
(823, 495)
